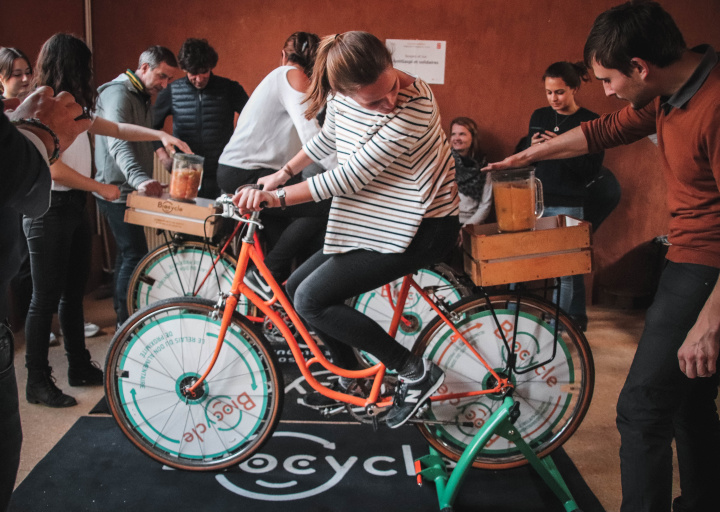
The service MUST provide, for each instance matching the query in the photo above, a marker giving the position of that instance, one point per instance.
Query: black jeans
(294, 232)
(10, 427)
(59, 246)
(658, 402)
(131, 248)
(320, 287)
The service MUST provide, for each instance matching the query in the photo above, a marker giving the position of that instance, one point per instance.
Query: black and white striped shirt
(394, 170)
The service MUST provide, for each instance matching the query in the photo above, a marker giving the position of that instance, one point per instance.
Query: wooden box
(165, 213)
(559, 246)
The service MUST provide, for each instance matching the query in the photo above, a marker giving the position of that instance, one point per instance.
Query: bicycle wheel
(553, 398)
(417, 313)
(177, 270)
(162, 350)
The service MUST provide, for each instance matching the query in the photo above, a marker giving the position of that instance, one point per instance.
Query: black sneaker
(410, 395)
(316, 400)
(256, 283)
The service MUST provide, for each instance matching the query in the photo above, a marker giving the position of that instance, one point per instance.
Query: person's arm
(136, 133)
(287, 171)
(65, 175)
(699, 352)
(483, 209)
(25, 177)
(569, 144)
(253, 199)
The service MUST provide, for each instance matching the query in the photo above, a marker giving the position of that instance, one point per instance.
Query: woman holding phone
(565, 181)
(394, 204)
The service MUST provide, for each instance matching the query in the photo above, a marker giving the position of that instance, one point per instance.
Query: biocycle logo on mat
(310, 464)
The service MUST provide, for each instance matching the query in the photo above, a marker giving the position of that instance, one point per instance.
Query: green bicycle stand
(500, 423)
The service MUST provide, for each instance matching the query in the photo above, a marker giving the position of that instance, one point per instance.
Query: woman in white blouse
(394, 204)
(59, 240)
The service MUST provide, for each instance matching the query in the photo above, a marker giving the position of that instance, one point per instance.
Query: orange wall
(496, 52)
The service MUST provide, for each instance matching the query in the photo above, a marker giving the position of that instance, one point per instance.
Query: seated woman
(474, 186)
(59, 241)
(394, 204)
(270, 130)
(565, 181)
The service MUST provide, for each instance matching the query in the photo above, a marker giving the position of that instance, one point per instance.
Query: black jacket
(203, 118)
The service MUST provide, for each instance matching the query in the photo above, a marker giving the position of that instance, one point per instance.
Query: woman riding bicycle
(394, 204)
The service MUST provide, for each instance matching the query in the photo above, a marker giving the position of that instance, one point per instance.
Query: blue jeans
(131, 248)
(321, 285)
(59, 246)
(572, 288)
(659, 403)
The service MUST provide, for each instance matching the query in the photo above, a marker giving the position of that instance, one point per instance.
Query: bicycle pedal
(333, 410)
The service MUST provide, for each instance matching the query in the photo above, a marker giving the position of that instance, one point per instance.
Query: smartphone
(536, 129)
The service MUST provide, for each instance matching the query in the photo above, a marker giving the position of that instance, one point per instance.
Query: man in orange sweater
(639, 55)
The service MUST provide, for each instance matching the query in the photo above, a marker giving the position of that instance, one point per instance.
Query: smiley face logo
(263, 480)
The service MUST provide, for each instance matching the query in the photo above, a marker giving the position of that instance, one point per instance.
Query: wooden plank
(171, 222)
(530, 268)
(200, 209)
(552, 234)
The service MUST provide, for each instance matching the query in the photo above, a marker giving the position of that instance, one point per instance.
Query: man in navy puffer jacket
(203, 108)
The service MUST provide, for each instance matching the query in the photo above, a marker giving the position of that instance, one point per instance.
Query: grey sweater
(119, 162)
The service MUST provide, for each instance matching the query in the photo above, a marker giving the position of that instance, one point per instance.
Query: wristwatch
(280, 194)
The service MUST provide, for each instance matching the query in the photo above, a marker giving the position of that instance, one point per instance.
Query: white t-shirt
(272, 127)
(78, 157)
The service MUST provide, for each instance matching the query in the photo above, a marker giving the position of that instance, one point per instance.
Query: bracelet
(287, 170)
(34, 121)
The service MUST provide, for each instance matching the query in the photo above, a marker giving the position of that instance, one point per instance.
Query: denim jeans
(131, 248)
(59, 246)
(572, 288)
(10, 427)
(659, 403)
(321, 285)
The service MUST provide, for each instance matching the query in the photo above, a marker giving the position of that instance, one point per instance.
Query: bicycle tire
(553, 398)
(417, 311)
(159, 352)
(175, 270)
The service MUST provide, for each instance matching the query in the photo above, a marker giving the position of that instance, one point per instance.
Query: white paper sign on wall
(425, 59)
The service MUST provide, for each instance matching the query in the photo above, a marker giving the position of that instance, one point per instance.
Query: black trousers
(59, 244)
(659, 403)
(295, 232)
(321, 285)
(10, 428)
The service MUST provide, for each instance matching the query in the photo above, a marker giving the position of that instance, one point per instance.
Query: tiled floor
(594, 447)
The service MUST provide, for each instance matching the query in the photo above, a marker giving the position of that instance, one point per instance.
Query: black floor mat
(311, 464)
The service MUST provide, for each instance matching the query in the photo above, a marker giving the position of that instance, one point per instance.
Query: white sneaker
(91, 329)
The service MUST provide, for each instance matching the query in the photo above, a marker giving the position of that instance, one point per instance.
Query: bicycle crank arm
(466, 424)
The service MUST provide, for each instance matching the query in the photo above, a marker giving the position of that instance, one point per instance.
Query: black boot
(41, 389)
(82, 371)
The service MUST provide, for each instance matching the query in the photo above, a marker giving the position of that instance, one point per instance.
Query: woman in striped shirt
(394, 204)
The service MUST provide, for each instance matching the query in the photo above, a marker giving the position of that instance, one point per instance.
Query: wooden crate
(559, 246)
(164, 213)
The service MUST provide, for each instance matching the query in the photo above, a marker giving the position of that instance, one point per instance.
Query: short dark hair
(197, 55)
(156, 55)
(639, 29)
